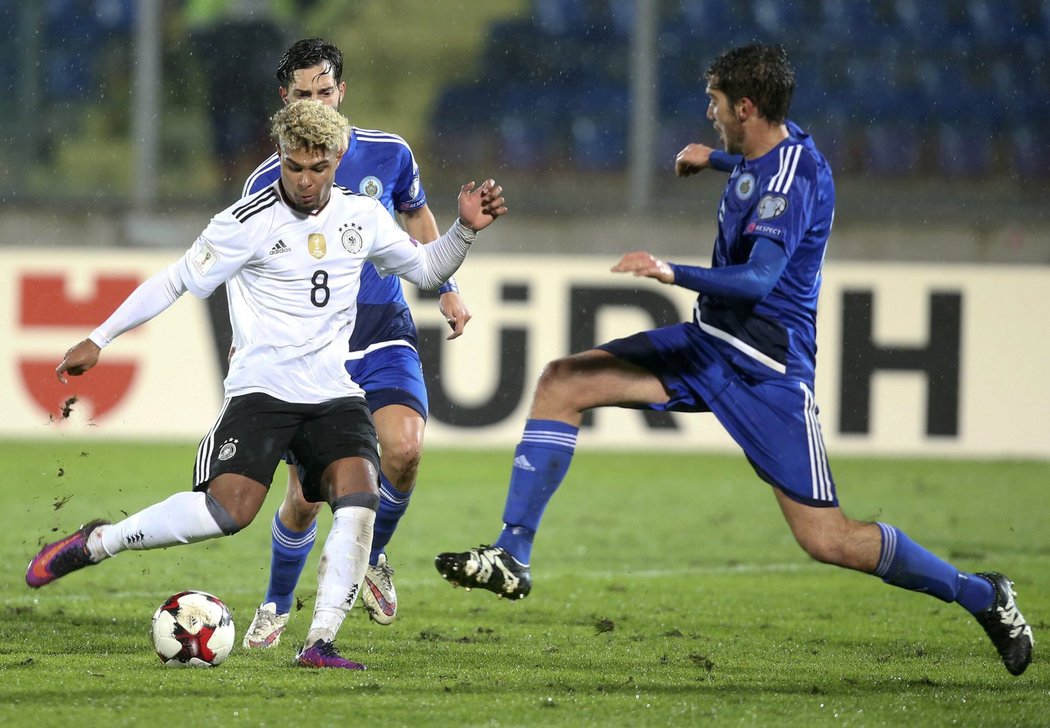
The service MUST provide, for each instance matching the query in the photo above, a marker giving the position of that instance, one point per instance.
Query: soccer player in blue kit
(382, 356)
(748, 357)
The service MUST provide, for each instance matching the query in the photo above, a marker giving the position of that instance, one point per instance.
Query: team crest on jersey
(371, 186)
(745, 186)
(228, 449)
(350, 237)
(771, 206)
(316, 244)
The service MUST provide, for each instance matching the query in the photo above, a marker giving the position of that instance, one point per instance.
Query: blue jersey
(787, 196)
(381, 166)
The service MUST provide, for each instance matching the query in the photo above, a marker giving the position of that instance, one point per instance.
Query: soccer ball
(193, 629)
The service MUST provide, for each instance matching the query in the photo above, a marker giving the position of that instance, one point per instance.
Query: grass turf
(667, 591)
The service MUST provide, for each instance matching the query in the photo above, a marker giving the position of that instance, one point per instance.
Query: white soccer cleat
(265, 630)
(378, 596)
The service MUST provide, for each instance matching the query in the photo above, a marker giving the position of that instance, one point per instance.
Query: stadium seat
(460, 120)
(892, 150)
(872, 76)
(532, 125)
(598, 128)
(1030, 152)
(962, 152)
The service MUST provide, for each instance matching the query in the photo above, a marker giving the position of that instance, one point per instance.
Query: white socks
(182, 518)
(342, 569)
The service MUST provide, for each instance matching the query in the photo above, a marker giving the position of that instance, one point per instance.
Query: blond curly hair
(311, 126)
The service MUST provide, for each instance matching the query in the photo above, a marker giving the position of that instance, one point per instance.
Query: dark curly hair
(307, 53)
(758, 72)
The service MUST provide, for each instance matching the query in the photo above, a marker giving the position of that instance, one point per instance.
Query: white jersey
(293, 281)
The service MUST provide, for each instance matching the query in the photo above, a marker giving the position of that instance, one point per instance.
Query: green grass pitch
(668, 591)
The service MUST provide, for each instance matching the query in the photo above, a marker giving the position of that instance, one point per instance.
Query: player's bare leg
(829, 536)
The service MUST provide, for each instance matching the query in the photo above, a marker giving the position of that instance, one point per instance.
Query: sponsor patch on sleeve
(204, 257)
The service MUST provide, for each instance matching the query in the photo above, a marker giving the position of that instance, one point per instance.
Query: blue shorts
(391, 375)
(772, 418)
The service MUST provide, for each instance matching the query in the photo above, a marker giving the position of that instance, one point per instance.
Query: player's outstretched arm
(78, 360)
(479, 207)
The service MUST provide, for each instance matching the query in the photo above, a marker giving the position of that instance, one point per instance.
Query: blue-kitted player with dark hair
(748, 356)
(382, 355)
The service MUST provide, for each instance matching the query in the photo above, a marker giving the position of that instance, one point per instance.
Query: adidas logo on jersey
(523, 463)
(279, 248)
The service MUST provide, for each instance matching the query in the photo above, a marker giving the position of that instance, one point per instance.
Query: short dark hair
(306, 53)
(758, 72)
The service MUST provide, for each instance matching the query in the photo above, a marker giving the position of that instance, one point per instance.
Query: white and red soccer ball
(193, 629)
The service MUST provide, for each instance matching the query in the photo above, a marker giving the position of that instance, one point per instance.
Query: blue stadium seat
(460, 120)
(115, 17)
(962, 152)
(892, 150)
(1030, 152)
(683, 119)
(556, 17)
(532, 125)
(910, 74)
(598, 128)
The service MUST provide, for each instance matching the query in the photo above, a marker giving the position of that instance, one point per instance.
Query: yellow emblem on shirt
(316, 245)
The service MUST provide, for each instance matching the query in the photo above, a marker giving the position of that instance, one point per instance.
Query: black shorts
(254, 431)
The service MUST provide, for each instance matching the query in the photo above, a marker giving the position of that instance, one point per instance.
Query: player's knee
(556, 381)
(401, 460)
(402, 450)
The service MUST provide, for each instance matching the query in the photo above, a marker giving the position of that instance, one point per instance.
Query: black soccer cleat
(1005, 625)
(486, 567)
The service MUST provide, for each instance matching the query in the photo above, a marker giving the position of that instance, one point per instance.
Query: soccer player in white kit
(292, 256)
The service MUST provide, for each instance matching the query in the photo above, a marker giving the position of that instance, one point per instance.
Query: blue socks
(289, 551)
(904, 563)
(392, 505)
(540, 463)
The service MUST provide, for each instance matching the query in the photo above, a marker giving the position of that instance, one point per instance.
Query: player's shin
(343, 562)
(288, 553)
(906, 564)
(540, 463)
(182, 518)
(392, 505)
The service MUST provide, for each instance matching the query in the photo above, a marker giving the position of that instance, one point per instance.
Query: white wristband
(99, 339)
